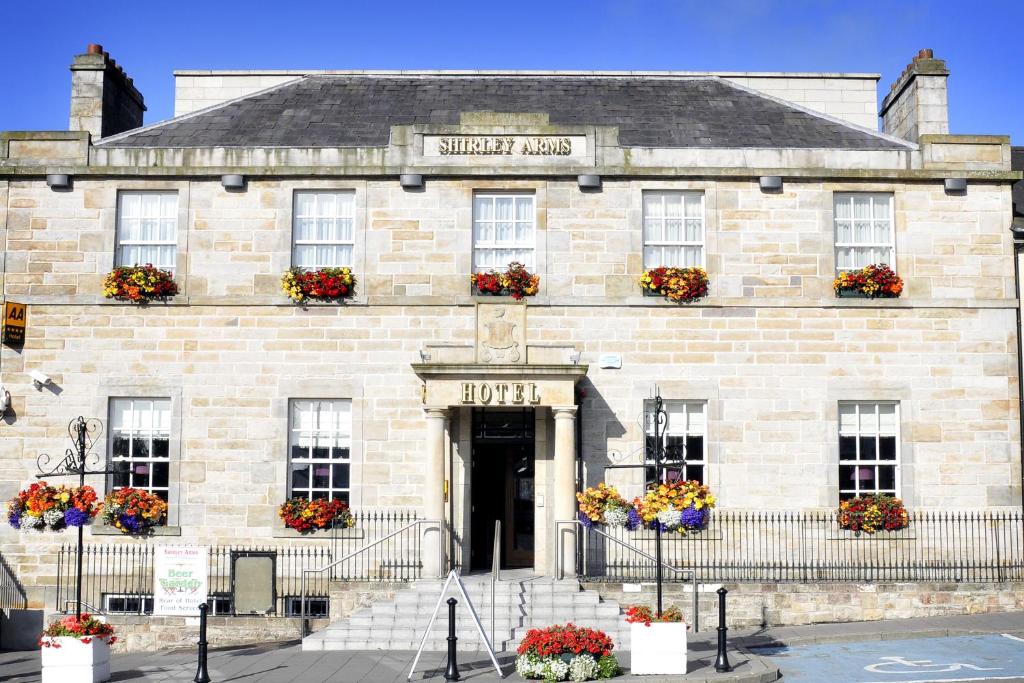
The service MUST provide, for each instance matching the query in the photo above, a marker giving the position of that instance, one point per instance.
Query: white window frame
(342, 434)
(344, 211)
(662, 221)
(858, 462)
(528, 244)
(673, 428)
(162, 216)
(881, 251)
(150, 461)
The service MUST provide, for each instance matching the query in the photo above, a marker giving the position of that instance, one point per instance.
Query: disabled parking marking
(995, 657)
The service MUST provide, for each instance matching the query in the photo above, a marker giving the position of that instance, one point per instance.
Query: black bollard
(722, 662)
(202, 675)
(452, 672)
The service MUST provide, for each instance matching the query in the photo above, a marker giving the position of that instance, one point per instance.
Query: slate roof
(358, 111)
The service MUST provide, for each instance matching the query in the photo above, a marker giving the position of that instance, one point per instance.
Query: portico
(463, 384)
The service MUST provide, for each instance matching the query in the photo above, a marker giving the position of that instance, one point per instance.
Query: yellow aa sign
(15, 320)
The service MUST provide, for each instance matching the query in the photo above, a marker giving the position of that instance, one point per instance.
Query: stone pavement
(283, 662)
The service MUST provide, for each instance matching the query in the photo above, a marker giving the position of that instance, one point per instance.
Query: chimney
(103, 99)
(916, 104)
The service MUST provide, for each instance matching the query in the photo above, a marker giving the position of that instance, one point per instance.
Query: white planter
(75, 661)
(658, 649)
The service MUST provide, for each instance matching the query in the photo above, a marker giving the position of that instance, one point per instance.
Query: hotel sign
(505, 145)
(501, 393)
(15, 320)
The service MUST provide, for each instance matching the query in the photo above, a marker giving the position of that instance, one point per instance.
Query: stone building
(419, 394)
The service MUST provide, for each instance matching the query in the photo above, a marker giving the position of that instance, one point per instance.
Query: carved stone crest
(501, 333)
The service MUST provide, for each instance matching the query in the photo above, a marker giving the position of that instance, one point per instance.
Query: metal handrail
(495, 569)
(576, 523)
(440, 557)
(91, 608)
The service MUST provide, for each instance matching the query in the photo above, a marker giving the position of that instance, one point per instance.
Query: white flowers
(554, 669)
(670, 518)
(616, 516)
(582, 668)
(53, 517)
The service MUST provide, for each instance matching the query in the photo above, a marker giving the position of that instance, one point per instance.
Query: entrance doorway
(502, 486)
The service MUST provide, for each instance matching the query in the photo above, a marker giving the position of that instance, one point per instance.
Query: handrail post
(495, 570)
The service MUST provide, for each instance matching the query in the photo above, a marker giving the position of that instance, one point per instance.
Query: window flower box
(321, 284)
(679, 285)
(871, 513)
(877, 281)
(306, 516)
(139, 284)
(516, 282)
(76, 650)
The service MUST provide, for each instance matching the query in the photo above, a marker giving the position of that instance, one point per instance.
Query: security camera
(5, 400)
(39, 379)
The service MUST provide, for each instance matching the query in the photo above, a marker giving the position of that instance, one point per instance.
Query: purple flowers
(14, 519)
(692, 518)
(585, 521)
(75, 517)
(635, 521)
(130, 522)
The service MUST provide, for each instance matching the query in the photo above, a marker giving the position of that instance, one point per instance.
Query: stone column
(565, 486)
(433, 497)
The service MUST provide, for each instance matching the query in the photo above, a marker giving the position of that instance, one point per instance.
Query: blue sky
(981, 41)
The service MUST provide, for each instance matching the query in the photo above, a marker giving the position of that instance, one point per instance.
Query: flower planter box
(658, 649)
(69, 660)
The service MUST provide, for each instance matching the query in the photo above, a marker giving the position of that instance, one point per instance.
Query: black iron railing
(118, 577)
(12, 593)
(810, 547)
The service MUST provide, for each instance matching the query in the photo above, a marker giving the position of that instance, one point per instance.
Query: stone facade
(771, 350)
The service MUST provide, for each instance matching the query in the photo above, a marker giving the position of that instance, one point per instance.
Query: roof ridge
(197, 112)
(820, 115)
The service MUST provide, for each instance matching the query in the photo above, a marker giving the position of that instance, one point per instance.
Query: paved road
(995, 657)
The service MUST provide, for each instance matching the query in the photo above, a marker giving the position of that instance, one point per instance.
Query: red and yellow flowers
(872, 281)
(873, 512)
(85, 629)
(308, 515)
(681, 285)
(134, 511)
(322, 284)
(42, 507)
(139, 283)
(516, 282)
(642, 614)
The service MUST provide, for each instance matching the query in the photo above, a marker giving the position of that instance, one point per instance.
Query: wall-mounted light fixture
(5, 400)
(233, 181)
(589, 181)
(58, 181)
(574, 357)
(770, 183)
(424, 356)
(411, 181)
(956, 185)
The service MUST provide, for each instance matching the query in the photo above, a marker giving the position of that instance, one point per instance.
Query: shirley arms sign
(505, 145)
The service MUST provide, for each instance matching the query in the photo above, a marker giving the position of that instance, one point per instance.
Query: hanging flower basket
(604, 505)
(681, 285)
(872, 282)
(51, 508)
(569, 652)
(139, 284)
(871, 513)
(134, 512)
(516, 282)
(321, 284)
(306, 516)
(77, 650)
(679, 506)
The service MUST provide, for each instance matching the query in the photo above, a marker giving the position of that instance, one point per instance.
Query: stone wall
(753, 605)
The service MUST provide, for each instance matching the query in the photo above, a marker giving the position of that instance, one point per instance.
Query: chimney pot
(94, 49)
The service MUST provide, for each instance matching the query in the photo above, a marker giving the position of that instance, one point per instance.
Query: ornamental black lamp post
(84, 434)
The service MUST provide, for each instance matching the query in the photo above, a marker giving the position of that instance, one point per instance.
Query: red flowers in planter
(642, 614)
(871, 281)
(568, 639)
(322, 284)
(681, 285)
(307, 515)
(516, 282)
(85, 629)
(873, 512)
(139, 283)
